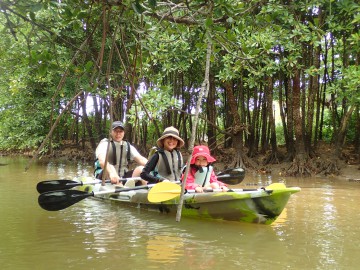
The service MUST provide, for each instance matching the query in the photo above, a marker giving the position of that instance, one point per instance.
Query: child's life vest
(202, 175)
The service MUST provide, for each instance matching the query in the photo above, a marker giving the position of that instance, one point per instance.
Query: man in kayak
(201, 175)
(166, 163)
(119, 155)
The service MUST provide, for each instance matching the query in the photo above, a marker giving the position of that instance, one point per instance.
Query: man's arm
(137, 157)
(110, 169)
(140, 160)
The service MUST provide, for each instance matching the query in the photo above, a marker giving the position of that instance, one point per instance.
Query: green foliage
(156, 101)
(170, 50)
(328, 129)
(252, 41)
(279, 129)
(347, 86)
(32, 64)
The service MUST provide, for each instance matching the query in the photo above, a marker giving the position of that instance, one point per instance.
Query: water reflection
(165, 248)
(112, 231)
(68, 170)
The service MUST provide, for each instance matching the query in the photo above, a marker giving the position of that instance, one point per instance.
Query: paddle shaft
(171, 194)
(230, 190)
(118, 190)
(61, 199)
(232, 177)
(53, 185)
(269, 189)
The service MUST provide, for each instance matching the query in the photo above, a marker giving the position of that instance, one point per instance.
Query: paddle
(61, 199)
(164, 191)
(269, 189)
(52, 185)
(275, 186)
(232, 176)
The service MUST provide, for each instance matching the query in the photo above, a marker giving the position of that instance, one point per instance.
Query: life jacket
(202, 175)
(118, 156)
(169, 165)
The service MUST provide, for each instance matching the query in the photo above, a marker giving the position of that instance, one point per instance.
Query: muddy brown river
(317, 230)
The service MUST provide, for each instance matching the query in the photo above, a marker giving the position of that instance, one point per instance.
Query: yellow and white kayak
(262, 205)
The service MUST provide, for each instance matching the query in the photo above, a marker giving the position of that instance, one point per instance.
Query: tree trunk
(340, 137)
(253, 120)
(299, 165)
(211, 113)
(289, 93)
(87, 122)
(313, 90)
(274, 156)
(357, 134)
(264, 124)
(236, 129)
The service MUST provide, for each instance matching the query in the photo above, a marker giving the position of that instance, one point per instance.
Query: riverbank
(349, 166)
(347, 172)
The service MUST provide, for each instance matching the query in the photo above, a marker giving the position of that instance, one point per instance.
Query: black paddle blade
(61, 199)
(52, 185)
(232, 176)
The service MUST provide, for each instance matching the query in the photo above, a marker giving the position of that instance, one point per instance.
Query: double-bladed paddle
(61, 199)
(269, 189)
(53, 185)
(231, 176)
(164, 193)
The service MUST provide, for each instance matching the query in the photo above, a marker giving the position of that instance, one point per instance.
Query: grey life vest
(202, 176)
(169, 165)
(118, 156)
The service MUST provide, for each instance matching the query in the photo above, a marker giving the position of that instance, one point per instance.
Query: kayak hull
(254, 206)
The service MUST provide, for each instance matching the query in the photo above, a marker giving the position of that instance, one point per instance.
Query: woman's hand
(162, 179)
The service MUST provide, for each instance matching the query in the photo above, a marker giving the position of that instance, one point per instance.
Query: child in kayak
(201, 175)
(166, 163)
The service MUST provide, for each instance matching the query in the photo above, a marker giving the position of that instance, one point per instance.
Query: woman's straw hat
(173, 132)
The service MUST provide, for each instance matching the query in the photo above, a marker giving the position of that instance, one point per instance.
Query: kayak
(261, 205)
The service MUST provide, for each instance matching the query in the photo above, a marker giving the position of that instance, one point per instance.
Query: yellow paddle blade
(275, 186)
(164, 191)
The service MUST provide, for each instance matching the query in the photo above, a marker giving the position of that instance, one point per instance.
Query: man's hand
(114, 178)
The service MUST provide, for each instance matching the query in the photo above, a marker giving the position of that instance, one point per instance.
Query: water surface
(317, 230)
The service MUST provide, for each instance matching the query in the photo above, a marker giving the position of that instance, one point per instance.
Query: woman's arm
(149, 167)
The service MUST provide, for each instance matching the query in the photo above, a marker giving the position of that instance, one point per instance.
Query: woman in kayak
(167, 161)
(201, 175)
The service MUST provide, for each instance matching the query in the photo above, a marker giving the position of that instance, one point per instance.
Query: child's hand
(199, 189)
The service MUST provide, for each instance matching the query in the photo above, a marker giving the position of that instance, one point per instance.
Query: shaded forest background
(282, 82)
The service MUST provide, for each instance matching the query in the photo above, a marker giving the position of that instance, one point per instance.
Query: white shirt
(102, 147)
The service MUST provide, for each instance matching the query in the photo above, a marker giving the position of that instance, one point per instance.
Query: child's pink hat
(201, 150)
